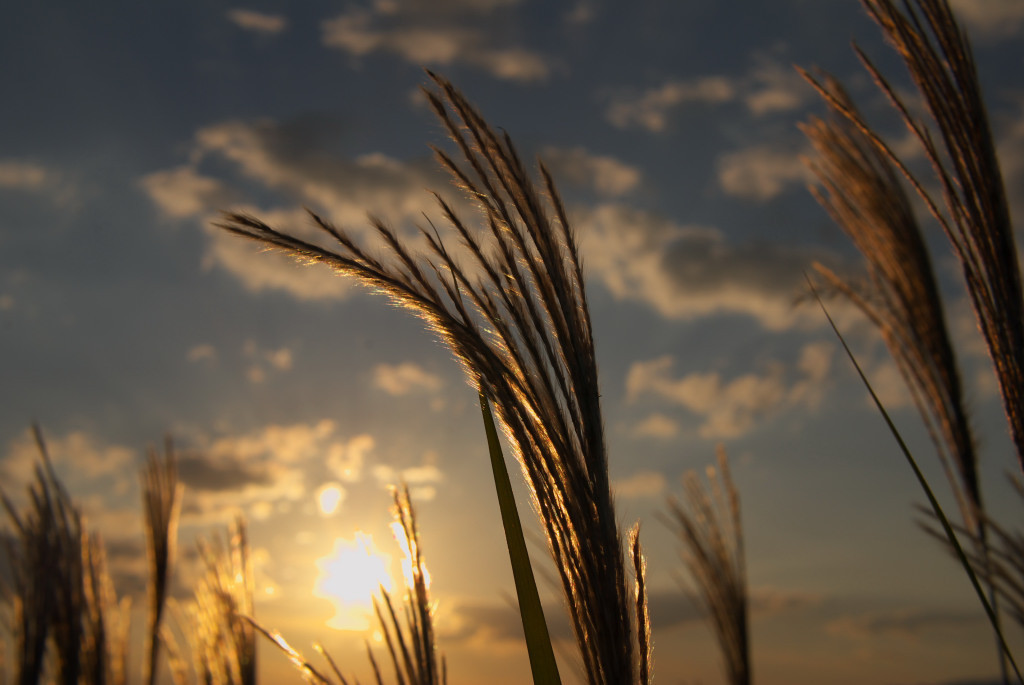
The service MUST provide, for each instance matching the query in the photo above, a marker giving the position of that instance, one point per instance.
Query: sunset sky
(298, 398)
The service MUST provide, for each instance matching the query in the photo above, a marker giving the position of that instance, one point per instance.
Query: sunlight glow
(349, 577)
(329, 497)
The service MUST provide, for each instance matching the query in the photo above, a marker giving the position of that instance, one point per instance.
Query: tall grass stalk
(161, 502)
(707, 523)
(862, 191)
(975, 217)
(523, 333)
(224, 639)
(933, 502)
(46, 565)
(407, 631)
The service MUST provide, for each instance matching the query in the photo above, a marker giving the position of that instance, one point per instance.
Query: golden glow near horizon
(349, 577)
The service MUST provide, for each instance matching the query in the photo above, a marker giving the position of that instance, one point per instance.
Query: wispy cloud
(761, 172)
(906, 623)
(443, 34)
(640, 484)
(183, 193)
(650, 109)
(767, 88)
(287, 158)
(656, 426)
(607, 176)
(405, 378)
(262, 361)
(22, 175)
(998, 19)
(257, 22)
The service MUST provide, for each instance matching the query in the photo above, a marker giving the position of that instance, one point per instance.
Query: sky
(671, 130)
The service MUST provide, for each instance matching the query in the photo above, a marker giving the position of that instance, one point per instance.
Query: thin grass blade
(936, 507)
(538, 640)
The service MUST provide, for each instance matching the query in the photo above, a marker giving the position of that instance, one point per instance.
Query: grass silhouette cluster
(510, 303)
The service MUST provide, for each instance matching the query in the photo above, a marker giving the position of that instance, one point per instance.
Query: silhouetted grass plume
(707, 523)
(522, 330)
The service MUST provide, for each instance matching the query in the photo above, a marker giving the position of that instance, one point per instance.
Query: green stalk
(939, 514)
(535, 628)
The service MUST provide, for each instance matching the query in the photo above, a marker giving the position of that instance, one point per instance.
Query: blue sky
(671, 129)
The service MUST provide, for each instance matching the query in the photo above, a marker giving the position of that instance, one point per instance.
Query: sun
(349, 577)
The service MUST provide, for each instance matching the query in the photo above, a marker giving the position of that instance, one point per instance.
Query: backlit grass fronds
(407, 631)
(412, 650)
(161, 502)
(224, 638)
(643, 618)
(47, 577)
(707, 522)
(862, 191)
(976, 217)
(1003, 567)
(106, 621)
(518, 321)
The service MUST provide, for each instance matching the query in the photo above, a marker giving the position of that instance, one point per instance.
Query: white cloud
(257, 21)
(687, 272)
(761, 172)
(440, 34)
(605, 175)
(730, 408)
(991, 18)
(640, 484)
(405, 378)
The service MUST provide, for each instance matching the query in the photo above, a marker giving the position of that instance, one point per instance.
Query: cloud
(650, 110)
(22, 175)
(426, 34)
(906, 623)
(182, 193)
(346, 459)
(640, 484)
(84, 456)
(264, 360)
(991, 18)
(203, 352)
(405, 378)
(687, 272)
(288, 158)
(257, 21)
(767, 88)
(607, 176)
(230, 474)
(225, 475)
(656, 426)
(730, 408)
(761, 172)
